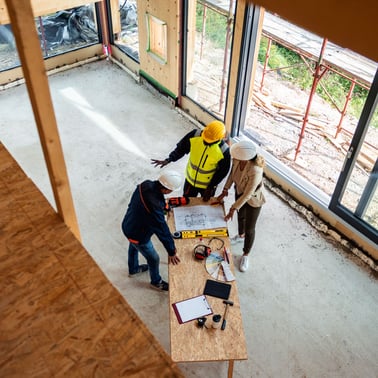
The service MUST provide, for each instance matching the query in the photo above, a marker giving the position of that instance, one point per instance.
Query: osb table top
(187, 280)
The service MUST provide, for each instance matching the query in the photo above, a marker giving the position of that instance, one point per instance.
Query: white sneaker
(236, 239)
(244, 263)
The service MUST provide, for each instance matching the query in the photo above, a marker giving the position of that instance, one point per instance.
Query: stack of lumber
(274, 108)
(315, 126)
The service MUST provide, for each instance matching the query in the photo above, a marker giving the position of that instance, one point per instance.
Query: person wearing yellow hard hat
(209, 159)
(247, 176)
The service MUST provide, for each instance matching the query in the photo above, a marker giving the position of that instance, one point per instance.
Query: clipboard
(192, 308)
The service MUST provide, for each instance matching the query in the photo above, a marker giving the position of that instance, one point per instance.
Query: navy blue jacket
(145, 216)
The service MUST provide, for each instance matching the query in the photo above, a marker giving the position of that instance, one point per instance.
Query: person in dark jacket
(209, 159)
(145, 217)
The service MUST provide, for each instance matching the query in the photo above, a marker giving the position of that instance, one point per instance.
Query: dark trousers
(247, 218)
(192, 191)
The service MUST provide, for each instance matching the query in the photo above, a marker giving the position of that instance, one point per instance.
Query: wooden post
(29, 51)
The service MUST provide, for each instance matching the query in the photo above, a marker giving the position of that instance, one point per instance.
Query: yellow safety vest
(203, 162)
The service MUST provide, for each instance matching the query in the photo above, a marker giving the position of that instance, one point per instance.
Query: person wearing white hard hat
(144, 217)
(247, 176)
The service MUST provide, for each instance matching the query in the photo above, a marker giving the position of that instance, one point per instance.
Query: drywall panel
(163, 71)
(42, 7)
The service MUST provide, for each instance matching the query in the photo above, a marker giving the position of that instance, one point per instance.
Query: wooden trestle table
(189, 342)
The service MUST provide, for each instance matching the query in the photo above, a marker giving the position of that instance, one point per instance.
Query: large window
(8, 50)
(304, 108)
(60, 32)
(356, 195)
(128, 39)
(307, 100)
(209, 39)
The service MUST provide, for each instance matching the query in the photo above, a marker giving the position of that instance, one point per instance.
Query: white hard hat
(243, 150)
(170, 180)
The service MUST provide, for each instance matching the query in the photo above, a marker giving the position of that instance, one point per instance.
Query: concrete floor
(309, 308)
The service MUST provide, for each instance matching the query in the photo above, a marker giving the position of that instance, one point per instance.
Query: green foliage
(215, 26)
(290, 67)
(287, 63)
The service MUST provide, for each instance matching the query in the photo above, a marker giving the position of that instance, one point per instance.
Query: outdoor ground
(321, 155)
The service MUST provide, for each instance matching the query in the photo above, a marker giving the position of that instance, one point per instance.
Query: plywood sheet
(187, 280)
(60, 314)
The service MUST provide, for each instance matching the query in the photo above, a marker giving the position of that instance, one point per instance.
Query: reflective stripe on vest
(203, 162)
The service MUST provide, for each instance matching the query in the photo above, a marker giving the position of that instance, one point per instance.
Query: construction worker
(145, 217)
(247, 176)
(209, 159)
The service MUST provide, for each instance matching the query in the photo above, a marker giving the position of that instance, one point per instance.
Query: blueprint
(194, 218)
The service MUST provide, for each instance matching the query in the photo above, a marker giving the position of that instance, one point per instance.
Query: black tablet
(217, 289)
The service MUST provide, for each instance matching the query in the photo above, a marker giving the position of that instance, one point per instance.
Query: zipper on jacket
(199, 165)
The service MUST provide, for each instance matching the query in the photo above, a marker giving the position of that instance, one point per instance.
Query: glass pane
(361, 195)
(58, 33)
(128, 39)
(209, 47)
(67, 30)
(286, 93)
(8, 49)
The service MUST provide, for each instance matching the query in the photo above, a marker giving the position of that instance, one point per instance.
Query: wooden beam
(23, 26)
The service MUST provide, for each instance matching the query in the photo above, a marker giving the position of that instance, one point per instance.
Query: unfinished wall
(163, 72)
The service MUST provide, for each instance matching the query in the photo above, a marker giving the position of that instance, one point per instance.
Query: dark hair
(160, 185)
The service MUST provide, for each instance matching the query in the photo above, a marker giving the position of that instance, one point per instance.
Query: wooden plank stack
(315, 126)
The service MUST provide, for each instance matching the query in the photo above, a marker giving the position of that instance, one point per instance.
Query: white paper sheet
(192, 308)
(194, 218)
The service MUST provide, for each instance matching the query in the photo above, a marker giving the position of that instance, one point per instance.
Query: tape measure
(200, 233)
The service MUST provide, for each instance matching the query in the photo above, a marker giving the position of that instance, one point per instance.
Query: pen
(226, 256)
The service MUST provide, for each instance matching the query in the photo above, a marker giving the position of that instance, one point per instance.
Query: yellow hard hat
(214, 131)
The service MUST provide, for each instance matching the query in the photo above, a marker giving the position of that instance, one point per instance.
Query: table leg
(230, 368)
